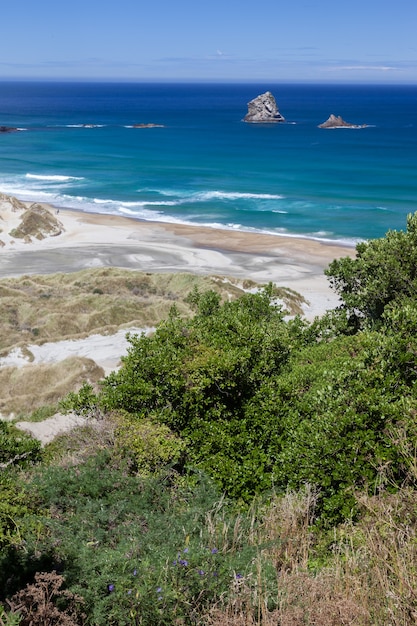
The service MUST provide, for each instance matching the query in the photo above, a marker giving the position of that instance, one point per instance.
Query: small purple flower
(159, 589)
(201, 572)
(159, 598)
(238, 576)
(183, 562)
(129, 592)
(214, 550)
(110, 588)
(174, 562)
(185, 550)
(134, 572)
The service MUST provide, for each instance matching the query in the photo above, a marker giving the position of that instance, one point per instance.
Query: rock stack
(263, 109)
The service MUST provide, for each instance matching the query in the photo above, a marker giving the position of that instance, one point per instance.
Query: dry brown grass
(368, 579)
(44, 603)
(35, 309)
(27, 388)
(75, 446)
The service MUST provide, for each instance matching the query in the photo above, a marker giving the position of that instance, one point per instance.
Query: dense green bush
(383, 271)
(148, 447)
(197, 376)
(335, 408)
(17, 451)
(263, 403)
(17, 448)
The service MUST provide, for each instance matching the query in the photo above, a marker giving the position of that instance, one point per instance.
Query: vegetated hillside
(244, 469)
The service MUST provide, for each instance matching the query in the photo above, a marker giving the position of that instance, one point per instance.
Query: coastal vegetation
(241, 467)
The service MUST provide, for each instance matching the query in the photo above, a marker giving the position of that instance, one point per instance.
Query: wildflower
(183, 562)
(129, 592)
(134, 572)
(159, 589)
(214, 550)
(110, 588)
(238, 576)
(185, 550)
(201, 572)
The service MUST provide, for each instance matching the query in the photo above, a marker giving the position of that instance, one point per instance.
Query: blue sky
(240, 40)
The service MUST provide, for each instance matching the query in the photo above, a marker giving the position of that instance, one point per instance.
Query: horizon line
(237, 81)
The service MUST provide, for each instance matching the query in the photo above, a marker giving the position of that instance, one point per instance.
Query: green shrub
(149, 447)
(140, 550)
(198, 377)
(17, 448)
(383, 271)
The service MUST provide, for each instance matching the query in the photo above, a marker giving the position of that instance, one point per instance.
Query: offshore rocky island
(263, 109)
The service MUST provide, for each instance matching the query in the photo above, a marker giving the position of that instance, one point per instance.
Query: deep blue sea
(78, 148)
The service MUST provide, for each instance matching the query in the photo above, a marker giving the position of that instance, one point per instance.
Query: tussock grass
(28, 388)
(37, 222)
(366, 577)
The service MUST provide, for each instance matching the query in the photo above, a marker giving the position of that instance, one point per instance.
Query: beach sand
(95, 240)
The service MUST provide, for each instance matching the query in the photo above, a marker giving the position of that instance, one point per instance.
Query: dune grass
(39, 309)
(26, 389)
(36, 309)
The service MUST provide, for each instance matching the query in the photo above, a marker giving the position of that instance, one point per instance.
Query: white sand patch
(105, 350)
(48, 429)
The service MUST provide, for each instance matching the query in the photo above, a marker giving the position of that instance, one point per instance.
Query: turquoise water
(205, 166)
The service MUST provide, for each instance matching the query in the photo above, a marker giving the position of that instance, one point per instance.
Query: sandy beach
(92, 240)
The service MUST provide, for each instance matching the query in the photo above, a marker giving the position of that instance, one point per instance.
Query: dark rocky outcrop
(338, 122)
(7, 129)
(263, 109)
(148, 125)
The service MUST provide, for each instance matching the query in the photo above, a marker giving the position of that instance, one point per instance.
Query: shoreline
(91, 240)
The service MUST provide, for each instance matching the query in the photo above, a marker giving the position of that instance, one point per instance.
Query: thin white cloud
(363, 68)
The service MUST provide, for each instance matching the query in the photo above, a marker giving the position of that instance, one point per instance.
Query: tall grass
(359, 574)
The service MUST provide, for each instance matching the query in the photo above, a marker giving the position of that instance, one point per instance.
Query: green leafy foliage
(17, 450)
(140, 550)
(265, 403)
(384, 271)
(197, 377)
(335, 407)
(9, 618)
(148, 447)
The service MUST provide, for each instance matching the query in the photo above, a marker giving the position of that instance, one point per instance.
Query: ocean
(78, 147)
